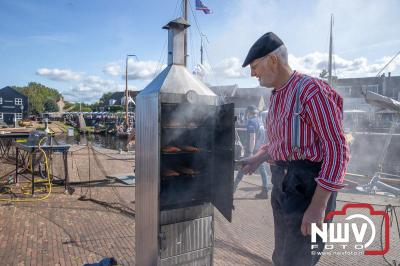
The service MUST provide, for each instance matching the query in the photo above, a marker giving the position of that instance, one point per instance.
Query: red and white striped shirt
(321, 128)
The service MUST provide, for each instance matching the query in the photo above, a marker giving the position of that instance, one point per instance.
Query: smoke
(183, 119)
(368, 149)
(187, 125)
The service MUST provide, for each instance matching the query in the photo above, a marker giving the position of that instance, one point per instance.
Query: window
(18, 101)
(1, 100)
(346, 90)
(1, 115)
(373, 88)
(18, 116)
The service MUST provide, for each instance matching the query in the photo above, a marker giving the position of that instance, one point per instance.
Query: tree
(37, 95)
(323, 74)
(104, 98)
(51, 106)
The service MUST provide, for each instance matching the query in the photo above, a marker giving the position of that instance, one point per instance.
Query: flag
(201, 6)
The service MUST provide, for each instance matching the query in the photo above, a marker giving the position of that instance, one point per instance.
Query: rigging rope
(391, 211)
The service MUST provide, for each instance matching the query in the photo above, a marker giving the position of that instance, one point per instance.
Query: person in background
(306, 148)
(255, 133)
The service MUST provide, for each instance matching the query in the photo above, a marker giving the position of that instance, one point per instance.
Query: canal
(105, 141)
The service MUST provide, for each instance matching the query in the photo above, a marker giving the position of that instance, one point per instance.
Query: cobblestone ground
(72, 230)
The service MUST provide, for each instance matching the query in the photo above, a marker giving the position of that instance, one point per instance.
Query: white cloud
(362, 28)
(113, 69)
(92, 88)
(230, 68)
(59, 74)
(143, 69)
(137, 70)
(85, 88)
(314, 63)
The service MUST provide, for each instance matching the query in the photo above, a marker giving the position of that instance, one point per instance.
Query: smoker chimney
(176, 41)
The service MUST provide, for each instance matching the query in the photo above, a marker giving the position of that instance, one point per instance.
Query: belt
(287, 164)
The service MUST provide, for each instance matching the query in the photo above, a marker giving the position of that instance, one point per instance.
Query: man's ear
(274, 59)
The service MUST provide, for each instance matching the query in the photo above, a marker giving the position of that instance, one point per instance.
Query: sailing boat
(126, 129)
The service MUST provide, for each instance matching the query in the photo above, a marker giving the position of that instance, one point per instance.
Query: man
(255, 138)
(306, 147)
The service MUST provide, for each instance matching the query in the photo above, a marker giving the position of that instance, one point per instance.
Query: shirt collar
(286, 84)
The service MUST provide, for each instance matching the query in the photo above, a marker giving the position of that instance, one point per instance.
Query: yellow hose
(48, 180)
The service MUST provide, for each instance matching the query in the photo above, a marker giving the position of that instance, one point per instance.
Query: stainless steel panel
(202, 257)
(179, 238)
(147, 179)
(182, 98)
(224, 160)
(176, 53)
(174, 82)
(176, 39)
(186, 214)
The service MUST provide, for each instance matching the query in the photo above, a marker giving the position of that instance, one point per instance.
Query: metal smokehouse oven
(184, 163)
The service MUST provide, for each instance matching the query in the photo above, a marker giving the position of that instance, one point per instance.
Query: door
(224, 160)
(8, 119)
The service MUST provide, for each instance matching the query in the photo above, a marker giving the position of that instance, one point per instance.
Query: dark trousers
(293, 188)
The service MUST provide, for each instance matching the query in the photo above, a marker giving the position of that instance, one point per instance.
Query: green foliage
(104, 98)
(68, 105)
(76, 107)
(86, 109)
(95, 106)
(51, 106)
(38, 95)
(116, 108)
(323, 74)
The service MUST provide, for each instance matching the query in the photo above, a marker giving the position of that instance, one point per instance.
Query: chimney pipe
(176, 39)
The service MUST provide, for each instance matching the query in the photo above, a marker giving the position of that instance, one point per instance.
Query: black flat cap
(263, 46)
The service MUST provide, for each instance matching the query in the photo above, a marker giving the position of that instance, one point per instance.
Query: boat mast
(126, 89)
(330, 54)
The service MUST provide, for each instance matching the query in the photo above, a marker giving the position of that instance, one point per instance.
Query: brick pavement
(64, 230)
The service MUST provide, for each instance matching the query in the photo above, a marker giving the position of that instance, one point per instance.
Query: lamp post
(126, 89)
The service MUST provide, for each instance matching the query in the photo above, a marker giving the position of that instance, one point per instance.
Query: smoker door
(223, 162)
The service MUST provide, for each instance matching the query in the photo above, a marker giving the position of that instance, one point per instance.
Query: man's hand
(249, 168)
(315, 212)
(250, 164)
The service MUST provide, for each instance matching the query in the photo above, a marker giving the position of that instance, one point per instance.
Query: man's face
(265, 70)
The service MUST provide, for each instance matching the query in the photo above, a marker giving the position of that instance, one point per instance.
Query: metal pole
(185, 16)
(66, 184)
(201, 50)
(33, 158)
(330, 54)
(126, 92)
(16, 165)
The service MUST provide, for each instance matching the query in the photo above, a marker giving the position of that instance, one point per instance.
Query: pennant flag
(201, 6)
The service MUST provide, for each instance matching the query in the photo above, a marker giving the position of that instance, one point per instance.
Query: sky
(80, 47)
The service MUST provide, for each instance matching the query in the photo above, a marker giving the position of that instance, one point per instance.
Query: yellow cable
(48, 179)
